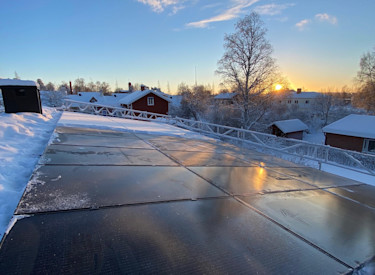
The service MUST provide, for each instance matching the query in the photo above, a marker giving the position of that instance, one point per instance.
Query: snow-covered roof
(109, 100)
(353, 125)
(134, 96)
(306, 95)
(290, 125)
(17, 82)
(225, 96)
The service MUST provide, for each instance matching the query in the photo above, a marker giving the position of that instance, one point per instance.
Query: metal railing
(98, 109)
(299, 151)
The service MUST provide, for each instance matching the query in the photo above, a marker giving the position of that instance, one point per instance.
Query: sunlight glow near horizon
(317, 44)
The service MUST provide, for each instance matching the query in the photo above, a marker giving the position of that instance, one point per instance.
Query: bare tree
(42, 87)
(323, 106)
(247, 65)
(366, 80)
(64, 87)
(195, 101)
(50, 86)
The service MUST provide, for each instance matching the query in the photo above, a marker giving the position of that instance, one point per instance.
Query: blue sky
(317, 44)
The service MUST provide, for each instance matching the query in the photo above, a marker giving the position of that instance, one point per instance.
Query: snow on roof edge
(353, 125)
(17, 82)
(131, 98)
(290, 125)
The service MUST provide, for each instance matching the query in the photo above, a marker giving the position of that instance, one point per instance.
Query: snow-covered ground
(125, 125)
(24, 137)
(315, 137)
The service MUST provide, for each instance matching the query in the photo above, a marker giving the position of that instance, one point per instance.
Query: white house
(301, 100)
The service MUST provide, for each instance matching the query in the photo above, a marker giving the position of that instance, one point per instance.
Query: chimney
(130, 86)
(299, 90)
(143, 87)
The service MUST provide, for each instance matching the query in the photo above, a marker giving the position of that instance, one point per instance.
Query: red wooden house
(353, 132)
(148, 100)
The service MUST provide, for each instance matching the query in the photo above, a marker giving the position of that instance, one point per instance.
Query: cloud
(211, 6)
(302, 24)
(272, 9)
(159, 5)
(229, 14)
(324, 17)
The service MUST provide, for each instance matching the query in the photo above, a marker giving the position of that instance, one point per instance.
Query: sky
(317, 44)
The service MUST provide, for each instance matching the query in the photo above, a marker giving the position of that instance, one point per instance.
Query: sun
(278, 87)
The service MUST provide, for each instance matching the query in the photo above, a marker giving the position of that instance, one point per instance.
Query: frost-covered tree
(103, 87)
(80, 85)
(323, 106)
(366, 81)
(248, 66)
(64, 87)
(42, 87)
(91, 86)
(195, 100)
(50, 87)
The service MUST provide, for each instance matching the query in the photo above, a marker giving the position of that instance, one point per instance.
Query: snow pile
(24, 137)
(17, 82)
(69, 119)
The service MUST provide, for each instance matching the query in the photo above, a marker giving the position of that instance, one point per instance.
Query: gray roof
(225, 96)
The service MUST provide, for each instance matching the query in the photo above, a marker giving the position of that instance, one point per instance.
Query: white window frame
(366, 143)
(150, 101)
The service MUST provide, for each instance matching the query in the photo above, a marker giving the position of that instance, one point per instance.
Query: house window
(150, 101)
(307, 102)
(369, 146)
(289, 101)
(296, 101)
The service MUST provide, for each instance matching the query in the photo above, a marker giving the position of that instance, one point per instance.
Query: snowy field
(24, 137)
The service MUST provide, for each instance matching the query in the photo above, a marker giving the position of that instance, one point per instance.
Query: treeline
(78, 85)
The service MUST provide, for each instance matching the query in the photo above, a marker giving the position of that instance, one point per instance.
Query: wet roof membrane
(103, 201)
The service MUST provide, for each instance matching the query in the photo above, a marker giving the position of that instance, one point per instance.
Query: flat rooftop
(104, 201)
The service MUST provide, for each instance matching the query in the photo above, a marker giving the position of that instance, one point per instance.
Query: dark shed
(292, 128)
(20, 96)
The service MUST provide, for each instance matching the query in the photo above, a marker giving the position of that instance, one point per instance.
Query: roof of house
(225, 96)
(353, 125)
(307, 95)
(109, 100)
(290, 125)
(134, 96)
(17, 82)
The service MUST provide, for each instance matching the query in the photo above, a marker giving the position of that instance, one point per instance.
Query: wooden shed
(20, 96)
(291, 128)
(353, 132)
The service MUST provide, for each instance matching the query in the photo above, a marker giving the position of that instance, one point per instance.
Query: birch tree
(248, 66)
(366, 80)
